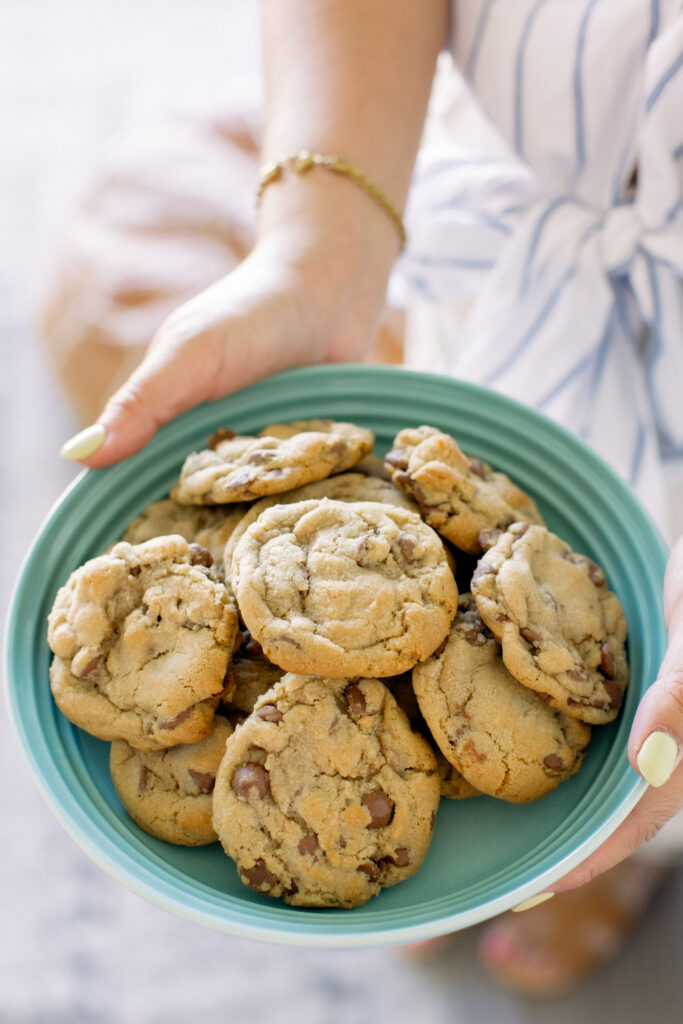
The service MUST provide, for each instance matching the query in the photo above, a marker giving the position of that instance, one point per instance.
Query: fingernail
(533, 901)
(657, 758)
(86, 443)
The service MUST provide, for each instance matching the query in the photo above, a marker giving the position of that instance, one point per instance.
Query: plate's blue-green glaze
(486, 855)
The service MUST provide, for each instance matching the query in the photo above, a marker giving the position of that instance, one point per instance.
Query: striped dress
(564, 227)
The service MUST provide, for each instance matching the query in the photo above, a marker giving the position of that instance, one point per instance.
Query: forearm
(349, 77)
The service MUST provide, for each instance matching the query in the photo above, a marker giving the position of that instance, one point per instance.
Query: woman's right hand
(288, 304)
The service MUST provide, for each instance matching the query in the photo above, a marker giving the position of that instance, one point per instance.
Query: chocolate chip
(361, 551)
(420, 495)
(204, 781)
(309, 844)
(258, 457)
(616, 694)
(222, 434)
(488, 537)
(471, 749)
(531, 636)
(356, 701)
(338, 448)
(370, 869)
(269, 713)
(135, 570)
(432, 821)
(596, 574)
(259, 876)
(483, 569)
(178, 720)
(142, 779)
(553, 762)
(579, 675)
(473, 636)
(401, 857)
(379, 805)
(397, 459)
(478, 467)
(239, 478)
(92, 665)
(407, 547)
(200, 556)
(544, 696)
(251, 775)
(607, 661)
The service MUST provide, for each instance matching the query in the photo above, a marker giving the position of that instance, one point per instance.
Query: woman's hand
(655, 746)
(275, 311)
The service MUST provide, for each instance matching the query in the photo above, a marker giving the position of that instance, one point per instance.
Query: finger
(655, 808)
(164, 385)
(656, 737)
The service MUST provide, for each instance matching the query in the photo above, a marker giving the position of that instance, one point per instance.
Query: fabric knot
(620, 236)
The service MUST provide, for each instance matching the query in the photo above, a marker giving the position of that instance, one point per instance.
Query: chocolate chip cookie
(235, 468)
(501, 736)
(343, 589)
(561, 628)
(343, 487)
(169, 793)
(209, 527)
(325, 794)
(458, 495)
(142, 638)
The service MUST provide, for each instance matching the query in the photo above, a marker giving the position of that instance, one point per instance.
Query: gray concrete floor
(76, 947)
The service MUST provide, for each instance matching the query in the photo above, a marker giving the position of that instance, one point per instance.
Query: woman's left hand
(655, 746)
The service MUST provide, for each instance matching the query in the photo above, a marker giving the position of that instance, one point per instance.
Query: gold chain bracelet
(303, 161)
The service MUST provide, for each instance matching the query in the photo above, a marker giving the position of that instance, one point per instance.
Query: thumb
(164, 385)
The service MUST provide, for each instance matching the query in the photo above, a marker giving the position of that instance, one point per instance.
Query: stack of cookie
(278, 653)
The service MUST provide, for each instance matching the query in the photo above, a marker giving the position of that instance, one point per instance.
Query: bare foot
(546, 950)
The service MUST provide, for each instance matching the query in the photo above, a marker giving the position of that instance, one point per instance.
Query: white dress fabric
(564, 229)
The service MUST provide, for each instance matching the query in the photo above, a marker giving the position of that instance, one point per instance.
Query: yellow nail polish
(533, 901)
(86, 443)
(657, 758)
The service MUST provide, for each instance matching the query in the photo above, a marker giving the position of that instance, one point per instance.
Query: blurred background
(133, 96)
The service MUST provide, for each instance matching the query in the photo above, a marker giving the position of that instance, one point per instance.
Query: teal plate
(486, 855)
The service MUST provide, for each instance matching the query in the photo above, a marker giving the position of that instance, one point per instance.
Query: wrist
(320, 214)
(340, 247)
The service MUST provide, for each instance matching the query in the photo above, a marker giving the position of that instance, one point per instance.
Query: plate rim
(288, 931)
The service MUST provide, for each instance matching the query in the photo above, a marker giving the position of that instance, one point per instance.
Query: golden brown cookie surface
(561, 628)
(209, 527)
(235, 468)
(459, 495)
(142, 637)
(341, 487)
(325, 794)
(503, 738)
(343, 589)
(169, 793)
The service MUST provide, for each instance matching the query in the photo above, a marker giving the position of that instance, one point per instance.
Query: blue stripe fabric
(579, 116)
(519, 75)
(479, 32)
(574, 285)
